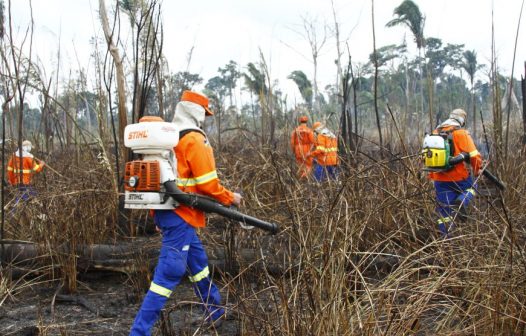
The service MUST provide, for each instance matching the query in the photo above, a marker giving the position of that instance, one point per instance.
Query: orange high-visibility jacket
(29, 167)
(462, 142)
(326, 152)
(302, 141)
(196, 170)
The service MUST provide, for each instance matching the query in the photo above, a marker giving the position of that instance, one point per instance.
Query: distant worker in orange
(20, 170)
(302, 142)
(454, 185)
(325, 154)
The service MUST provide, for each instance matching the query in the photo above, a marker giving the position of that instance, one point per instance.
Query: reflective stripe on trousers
(181, 254)
(448, 195)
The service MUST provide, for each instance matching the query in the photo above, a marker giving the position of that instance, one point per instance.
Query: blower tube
(206, 204)
(465, 157)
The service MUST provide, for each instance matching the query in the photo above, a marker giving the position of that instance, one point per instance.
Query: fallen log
(125, 257)
(140, 255)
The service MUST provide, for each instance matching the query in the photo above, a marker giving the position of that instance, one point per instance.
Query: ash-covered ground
(103, 305)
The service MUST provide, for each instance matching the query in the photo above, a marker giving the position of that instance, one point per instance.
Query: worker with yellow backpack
(445, 153)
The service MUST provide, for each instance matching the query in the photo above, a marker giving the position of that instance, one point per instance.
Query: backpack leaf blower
(150, 182)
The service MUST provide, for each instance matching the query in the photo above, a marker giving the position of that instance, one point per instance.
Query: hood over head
(450, 122)
(459, 115)
(325, 131)
(26, 149)
(191, 111)
(188, 115)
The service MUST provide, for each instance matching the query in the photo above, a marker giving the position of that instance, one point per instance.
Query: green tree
(408, 14)
(439, 57)
(175, 85)
(471, 66)
(255, 80)
(216, 89)
(304, 86)
(387, 53)
(230, 75)
(451, 92)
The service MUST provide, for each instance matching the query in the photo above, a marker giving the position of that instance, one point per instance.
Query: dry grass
(357, 257)
(364, 257)
(75, 206)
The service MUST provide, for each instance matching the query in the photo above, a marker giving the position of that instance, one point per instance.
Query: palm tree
(304, 85)
(471, 66)
(408, 14)
(255, 82)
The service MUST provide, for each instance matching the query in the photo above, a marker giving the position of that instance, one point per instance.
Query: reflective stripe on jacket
(29, 167)
(301, 141)
(197, 173)
(326, 152)
(462, 142)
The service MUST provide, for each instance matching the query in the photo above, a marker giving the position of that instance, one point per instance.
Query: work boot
(207, 322)
(462, 211)
(216, 325)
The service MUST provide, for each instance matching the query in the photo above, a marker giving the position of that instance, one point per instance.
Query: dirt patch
(102, 306)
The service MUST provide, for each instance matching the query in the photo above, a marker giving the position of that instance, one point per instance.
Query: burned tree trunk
(119, 68)
(523, 87)
(377, 114)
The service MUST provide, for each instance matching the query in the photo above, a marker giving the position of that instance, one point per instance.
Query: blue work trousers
(23, 193)
(181, 253)
(323, 173)
(450, 195)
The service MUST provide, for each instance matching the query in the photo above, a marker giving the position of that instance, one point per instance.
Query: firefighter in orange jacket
(20, 170)
(302, 142)
(182, 251)
(326, 153)
(455, 187)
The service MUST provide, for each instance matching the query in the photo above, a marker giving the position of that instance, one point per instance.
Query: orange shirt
(196, 172)
(29, 167)
(462, 142)
(326, 152)
(301, 141)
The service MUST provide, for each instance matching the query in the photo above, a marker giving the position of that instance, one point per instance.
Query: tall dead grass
(363, 256)
(360, 256)
(74, 206)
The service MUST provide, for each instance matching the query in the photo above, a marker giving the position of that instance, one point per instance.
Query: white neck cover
(188, 115)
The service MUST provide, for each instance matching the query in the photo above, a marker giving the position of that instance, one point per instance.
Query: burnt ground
(102, 306)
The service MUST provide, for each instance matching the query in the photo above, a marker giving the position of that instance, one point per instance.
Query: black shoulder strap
(449, 132)
(186, 131)
(448, 135)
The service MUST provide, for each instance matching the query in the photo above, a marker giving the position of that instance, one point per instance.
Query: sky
(224, 30)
